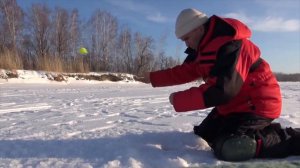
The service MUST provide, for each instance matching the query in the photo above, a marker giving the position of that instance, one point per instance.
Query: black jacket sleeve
(191, 55)
(228, 82)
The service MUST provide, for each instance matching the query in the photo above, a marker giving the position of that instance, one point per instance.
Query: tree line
(48, 39)
(288, 77)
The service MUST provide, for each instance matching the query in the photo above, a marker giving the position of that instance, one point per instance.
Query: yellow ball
(83, 50)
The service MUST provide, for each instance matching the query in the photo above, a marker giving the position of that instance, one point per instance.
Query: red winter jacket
(236, 79)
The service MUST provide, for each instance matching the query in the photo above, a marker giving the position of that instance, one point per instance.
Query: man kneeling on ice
(239, 84)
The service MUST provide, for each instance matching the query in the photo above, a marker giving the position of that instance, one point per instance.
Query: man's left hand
(171, 97)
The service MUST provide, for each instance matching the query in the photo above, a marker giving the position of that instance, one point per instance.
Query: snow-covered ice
(106, 124)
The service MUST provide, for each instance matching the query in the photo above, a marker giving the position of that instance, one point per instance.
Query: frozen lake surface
(111, 125)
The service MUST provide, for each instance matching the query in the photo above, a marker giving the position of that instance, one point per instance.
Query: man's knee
(235, 148)
(209, 127)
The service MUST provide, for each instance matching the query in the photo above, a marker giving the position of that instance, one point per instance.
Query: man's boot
(294, 140)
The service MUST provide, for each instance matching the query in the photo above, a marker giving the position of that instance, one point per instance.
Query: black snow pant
(273, 141)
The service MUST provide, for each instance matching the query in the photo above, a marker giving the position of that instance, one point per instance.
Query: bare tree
(165, 61)
(11, 23)
(79, 63)
(74, 32)
(103, 35)
(27, 48)
(160, 56)
(124, 56)
(40, 29)
(2, 32)
(162, 60)
(144, 54)
(60, 37)
(11, 17)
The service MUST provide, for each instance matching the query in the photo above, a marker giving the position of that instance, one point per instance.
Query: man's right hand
(145, 78)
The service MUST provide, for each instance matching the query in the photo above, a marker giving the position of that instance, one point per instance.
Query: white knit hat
(188, 20)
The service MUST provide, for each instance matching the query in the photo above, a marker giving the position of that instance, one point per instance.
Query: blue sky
(275, 24)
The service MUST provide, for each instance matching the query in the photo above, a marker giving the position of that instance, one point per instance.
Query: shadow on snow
(146, 147)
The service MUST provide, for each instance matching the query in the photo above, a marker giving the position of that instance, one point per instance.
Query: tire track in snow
(26, 107)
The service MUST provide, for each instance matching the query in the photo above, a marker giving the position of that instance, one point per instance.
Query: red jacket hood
(241, 30)
(224, 27)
